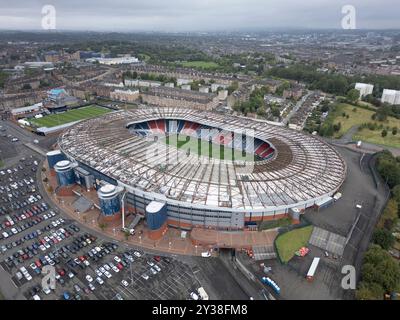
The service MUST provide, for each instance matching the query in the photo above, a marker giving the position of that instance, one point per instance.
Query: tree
(383, 238)
(337, 127)
(353, 95)
(384, 133)
(396, 197)
(389, 216)
(394, 131)
(381, 269)
(369, 291)
(389, 171)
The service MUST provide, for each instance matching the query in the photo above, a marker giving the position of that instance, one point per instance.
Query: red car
(119, 266)
(61, 272)
(38, 264)
(82, 258)
(157, 258)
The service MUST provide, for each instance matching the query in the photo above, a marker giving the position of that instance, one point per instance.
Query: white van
(202, 293)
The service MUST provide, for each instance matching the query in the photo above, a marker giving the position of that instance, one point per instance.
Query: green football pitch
(69, 116)
(206, 148)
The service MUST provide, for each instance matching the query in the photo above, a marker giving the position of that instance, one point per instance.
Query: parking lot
(34, 234)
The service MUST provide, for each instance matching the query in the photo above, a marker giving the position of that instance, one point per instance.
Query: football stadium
(187, 168)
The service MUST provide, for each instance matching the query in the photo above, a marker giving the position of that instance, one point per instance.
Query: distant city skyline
(197, 15)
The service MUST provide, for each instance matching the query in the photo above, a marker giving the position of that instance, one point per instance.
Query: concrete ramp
(328, 241)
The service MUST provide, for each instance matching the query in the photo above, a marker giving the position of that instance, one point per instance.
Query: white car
(117, 259)
(115, 269)
(107, 267)
(108, 275)
(46, 290)
(151, 264)
(145, 276)
(99, 280)
(206, 254)
(194, 296)
(102, 270)
(98, 272)
(86, 263)
(124, 283)
(153, 271)
(157, 268)
(89, 278)
(137, 254)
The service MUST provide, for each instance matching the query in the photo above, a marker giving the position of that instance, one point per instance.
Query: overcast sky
(197, 15)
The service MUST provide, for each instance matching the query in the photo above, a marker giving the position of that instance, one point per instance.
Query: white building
(204, 89)
(215, 86)
(364, 88)
(181, 81)
(169, 85)
(113, 61)
(142, 83)
(391, 96)
(186, 87)
(222, 95)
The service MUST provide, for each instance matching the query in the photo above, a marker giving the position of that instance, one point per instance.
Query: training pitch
(69, 116)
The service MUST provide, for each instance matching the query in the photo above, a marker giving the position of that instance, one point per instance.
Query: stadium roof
(303, 167)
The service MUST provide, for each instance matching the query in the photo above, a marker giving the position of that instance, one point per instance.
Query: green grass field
(288, 243)
(70, 116)
(200, 64)
(265, 225)
(207, 149)
(364, 116)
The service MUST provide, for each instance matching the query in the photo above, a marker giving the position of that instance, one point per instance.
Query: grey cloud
(191, 15)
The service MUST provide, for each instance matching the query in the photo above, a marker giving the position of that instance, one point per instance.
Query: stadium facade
(290, 171)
